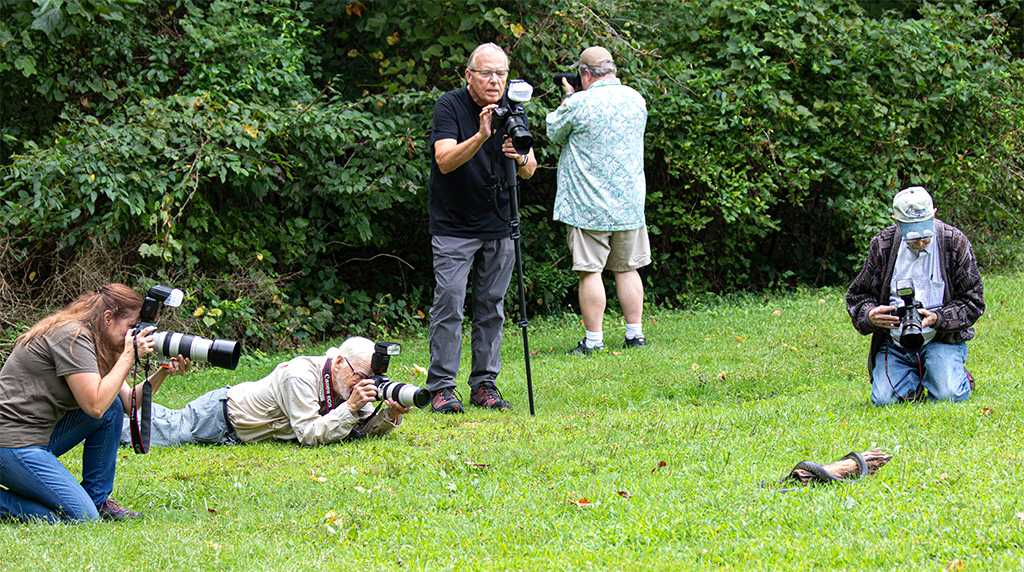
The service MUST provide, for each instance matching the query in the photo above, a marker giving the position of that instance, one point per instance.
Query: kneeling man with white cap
(923, 260)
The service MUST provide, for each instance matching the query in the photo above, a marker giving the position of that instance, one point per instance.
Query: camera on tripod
(911, 335)
(511, 116)
(221, 353)
(404, 393)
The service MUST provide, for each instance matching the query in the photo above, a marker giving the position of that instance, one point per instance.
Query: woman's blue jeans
(40, 487)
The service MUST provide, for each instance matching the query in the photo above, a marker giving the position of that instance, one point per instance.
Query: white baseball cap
(914, 213)
(912, 204)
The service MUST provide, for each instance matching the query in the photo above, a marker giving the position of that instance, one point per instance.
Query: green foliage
(282, 145)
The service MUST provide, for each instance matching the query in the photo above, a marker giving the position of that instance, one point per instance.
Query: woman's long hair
(87, 311)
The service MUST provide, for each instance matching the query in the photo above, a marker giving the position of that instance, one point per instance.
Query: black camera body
(509, 118)
(911, 334)
(404, 393)
(573, 78)
(220, 353)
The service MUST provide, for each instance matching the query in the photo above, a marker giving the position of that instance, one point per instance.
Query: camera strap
(141, 410)
(325, 377)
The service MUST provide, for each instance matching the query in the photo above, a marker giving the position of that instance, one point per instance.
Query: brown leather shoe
(487, 395)
(445, 401)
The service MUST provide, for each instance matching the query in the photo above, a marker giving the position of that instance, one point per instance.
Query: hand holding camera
(139, 343)
(363, 392)
(883, 317)
(395, 411)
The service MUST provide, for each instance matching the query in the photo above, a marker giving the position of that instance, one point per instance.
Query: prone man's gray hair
(600, 70)
(354, 348)
(482, 47)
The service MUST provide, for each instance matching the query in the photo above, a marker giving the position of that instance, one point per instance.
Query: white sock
(634, 331)
(594, 339)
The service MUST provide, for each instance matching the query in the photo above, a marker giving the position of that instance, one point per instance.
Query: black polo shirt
(469, 202)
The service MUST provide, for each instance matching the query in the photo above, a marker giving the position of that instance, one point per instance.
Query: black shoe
(445, 401)
(487, 395)
(637, 342)
(581, 349)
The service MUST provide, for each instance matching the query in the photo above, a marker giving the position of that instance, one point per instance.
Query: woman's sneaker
(110, 509)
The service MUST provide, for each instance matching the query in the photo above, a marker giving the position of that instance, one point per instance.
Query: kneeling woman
(64, 383)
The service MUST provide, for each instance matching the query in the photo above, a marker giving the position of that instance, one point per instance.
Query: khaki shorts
(615, 250)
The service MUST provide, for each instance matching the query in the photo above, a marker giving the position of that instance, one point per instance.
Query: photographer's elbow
(94, 412)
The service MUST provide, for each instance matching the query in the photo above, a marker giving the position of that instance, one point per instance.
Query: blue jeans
(897, 376)
(40, 487)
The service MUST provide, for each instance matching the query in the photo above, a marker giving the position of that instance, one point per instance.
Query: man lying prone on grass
(310, 399)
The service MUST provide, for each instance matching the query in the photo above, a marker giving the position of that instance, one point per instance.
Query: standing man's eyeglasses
(488, 74)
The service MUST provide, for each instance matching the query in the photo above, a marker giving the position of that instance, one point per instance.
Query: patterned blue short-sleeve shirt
(601, 183)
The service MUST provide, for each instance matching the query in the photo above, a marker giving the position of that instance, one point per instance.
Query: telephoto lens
(220, 353)
(404, 393)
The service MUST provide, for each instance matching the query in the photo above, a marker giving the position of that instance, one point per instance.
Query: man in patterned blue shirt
(601, 191)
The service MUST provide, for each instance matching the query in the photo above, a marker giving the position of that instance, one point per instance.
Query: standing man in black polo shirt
(469, 213)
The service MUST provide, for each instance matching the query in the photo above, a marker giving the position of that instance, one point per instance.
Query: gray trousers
(201, 421)
(491, 262)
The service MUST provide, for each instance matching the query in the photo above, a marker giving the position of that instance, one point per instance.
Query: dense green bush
(271, 156)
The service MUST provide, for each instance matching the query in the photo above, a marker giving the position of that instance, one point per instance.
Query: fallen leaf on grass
(418, 370)
(582, 502)
(694, 366)
(1020, 516)
(363, 491)
(955, 565)
(776, 312)
(986, 411)
(661, 464)
(535, 353)
(211, 510)
(315, 477)
(616, 353)
(478, 465)
(740, 339)
(330, 517)
(624, 494)
(943, 476)
(721, 376)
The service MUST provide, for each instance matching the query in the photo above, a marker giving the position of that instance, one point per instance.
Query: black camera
(511, 116)
(405, 393)
(911, 336)
(221, 353)
(573, 78)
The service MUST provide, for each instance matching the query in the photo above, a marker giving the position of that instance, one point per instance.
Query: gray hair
(600, 70)
(482, 47)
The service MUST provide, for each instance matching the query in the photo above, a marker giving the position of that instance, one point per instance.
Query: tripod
(513, 222)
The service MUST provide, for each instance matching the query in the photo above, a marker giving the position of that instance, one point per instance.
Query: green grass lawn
(668, 443)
